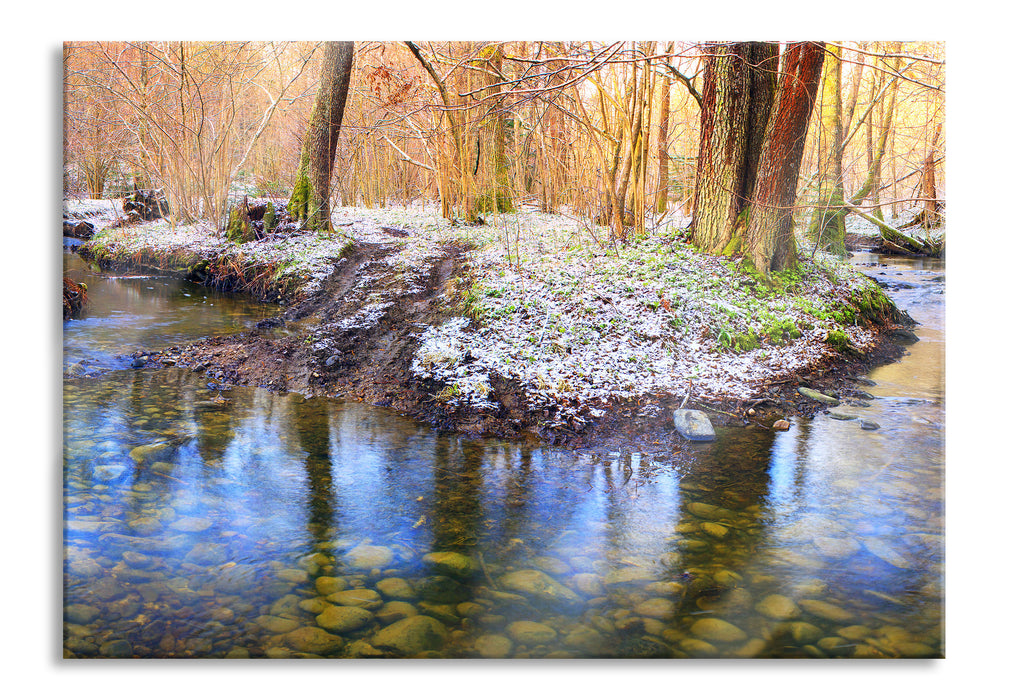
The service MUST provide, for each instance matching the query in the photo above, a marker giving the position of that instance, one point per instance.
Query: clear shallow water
(128, 312)
(205, 522)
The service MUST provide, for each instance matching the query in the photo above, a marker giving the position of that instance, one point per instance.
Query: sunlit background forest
(476, 128)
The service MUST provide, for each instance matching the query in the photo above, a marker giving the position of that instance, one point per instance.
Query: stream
(212, 521)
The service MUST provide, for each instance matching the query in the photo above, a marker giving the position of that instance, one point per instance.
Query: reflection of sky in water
(280, 476)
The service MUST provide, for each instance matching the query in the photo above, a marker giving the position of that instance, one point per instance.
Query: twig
(483, 565)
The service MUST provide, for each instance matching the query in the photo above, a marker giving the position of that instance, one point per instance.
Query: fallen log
(897, 241)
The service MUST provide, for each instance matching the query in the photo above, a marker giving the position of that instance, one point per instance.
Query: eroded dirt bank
(356, 337)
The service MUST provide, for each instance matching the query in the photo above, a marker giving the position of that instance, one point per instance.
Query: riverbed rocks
(540, 586)
(817, 396)
(451, 564)
(365, 557)
(693, 425)
(412, 636)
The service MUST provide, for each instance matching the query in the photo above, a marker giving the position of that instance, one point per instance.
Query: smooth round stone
(727, 578)
(443, 612)
(833, 645)
(551, 565)
(80, 613)
(805, 633)
(149, 453)
(396, 589)
(412, 636)
(585, 639)
(295, 576)
(107, 588)
(276, 625)
(109, 472)
(778, 607)
(714, 630)
(752, 649)
(836, 547)
(854, 632)
(715, 530)
(192, 524)
(659, 608)
(664, 588)
(539, 585)
(366, 557)
(357, 597)
(869, 425)
(826, 611)
(360, 649)
(116, 649)
(313, 640)
(145, 525)
(81, 646)
(469, 609)
(441, 589)
(207, 554)
(313, 606)
(531, 633)
(395, 610)
(698, 648)
(223, 615)
(628, 576)
(286, 606)
(451, 564)
(85, 567)
(137, 560)
(589, 584)
(341, 619)
(493, 646)
(693, 425)
(237, 653)
(706, 511)
(327, 585)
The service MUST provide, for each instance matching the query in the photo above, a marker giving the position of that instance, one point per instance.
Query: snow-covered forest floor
(549, 303)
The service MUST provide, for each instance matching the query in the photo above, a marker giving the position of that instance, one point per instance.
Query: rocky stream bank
(566, 341)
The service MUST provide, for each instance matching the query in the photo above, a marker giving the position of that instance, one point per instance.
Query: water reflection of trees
(311, 425)
(457, 511)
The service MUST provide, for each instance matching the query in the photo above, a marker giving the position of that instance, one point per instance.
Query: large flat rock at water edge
(817, 396)
(693, 425)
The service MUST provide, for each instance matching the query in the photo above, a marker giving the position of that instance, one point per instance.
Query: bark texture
(738, 93)
(770, 243)
(310, 199)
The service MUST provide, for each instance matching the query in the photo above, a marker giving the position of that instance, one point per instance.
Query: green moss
(740, 342)
(746, 342)
(239, 227)
(838, 339)
(297, 207)
(780, 332)
(874, 305)
(734, 245)
(270, 218)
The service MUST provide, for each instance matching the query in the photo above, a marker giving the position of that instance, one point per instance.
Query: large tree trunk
(770, 243)
(827, 223)
(739, 87)
(310, 199)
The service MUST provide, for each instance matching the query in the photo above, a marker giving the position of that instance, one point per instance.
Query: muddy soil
(356, 339)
